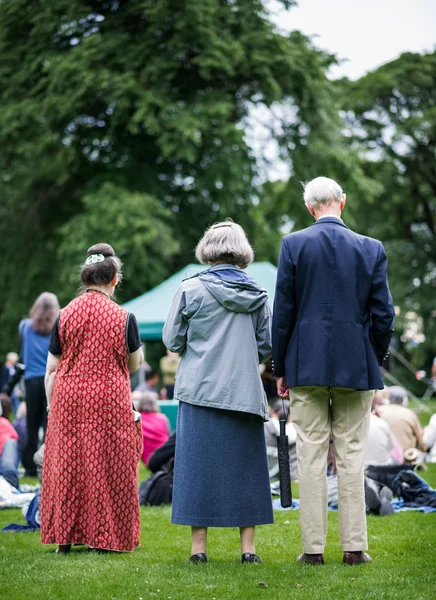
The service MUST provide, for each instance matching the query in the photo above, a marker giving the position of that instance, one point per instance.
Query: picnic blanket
(398, 505)
(31, 514)
(11, 497)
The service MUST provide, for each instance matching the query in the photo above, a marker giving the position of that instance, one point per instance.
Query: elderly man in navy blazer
(332, 325)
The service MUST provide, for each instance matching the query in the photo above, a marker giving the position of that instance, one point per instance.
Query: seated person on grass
(155, 425)
(20, 426)
(403, 422)
(9, 456)
(163, 457)
(429, 440)
(272, 430)
(381, 448)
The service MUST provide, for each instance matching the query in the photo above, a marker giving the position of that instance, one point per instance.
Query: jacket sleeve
(263, 333)
(175, 330)
(381, 308)
(162, 455)
(284, 310)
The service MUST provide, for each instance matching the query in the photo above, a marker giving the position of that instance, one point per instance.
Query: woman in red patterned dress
(93, 444)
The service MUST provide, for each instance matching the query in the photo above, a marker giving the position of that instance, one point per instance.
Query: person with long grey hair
(220, 324)
(35, 336)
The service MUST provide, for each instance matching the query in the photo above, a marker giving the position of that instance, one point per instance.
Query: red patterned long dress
(92, 447)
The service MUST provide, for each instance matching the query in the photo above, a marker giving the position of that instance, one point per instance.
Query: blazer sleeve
(284, 309)
(175, 330)
(381, 308)
(263, 333)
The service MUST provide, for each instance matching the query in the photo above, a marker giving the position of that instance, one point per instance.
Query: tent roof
(151, 309)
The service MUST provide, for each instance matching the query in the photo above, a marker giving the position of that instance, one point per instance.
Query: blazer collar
(330, 220)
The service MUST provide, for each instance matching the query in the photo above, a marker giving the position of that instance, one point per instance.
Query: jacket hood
(234, 289)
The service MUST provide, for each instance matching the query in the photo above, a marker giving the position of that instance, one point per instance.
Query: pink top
(7, 432)
(154, 432)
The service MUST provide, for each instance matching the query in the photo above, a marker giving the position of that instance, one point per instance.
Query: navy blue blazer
(333, 312)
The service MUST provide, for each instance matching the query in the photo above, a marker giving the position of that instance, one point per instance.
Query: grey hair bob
(225, 242)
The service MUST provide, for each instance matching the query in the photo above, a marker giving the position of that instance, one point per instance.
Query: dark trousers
(170, 391)
(36, 404)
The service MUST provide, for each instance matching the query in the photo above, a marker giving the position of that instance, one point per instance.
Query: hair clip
(94, 258)
(218, 225)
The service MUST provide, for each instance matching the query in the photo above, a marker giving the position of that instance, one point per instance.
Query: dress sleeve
(54, 346)
(132, 334)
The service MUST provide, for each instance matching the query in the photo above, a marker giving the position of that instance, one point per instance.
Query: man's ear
(311, 210)
(343, 201)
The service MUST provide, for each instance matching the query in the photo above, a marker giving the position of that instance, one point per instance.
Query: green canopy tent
(151, 309)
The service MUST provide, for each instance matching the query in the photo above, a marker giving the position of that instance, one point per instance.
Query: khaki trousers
(316, 412)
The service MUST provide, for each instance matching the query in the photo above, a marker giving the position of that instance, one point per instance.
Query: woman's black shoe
(247, 557)
(198, 558)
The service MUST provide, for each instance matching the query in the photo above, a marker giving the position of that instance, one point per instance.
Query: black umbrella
(284, 468)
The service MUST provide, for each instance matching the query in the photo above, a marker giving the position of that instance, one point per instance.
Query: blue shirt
(34, 350)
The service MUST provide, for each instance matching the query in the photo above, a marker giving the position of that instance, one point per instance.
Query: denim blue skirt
(221, 470)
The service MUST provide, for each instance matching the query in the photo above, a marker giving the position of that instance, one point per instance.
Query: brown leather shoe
(356, 558)
(311, 559)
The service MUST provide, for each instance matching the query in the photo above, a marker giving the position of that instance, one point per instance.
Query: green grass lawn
(403, 547)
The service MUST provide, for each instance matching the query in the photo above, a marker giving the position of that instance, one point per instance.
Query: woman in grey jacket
(220, 323)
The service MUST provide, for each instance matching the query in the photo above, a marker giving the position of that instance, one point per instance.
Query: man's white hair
(322, 191)
(226, 242)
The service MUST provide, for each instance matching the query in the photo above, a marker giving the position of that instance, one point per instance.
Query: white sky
(367, 32)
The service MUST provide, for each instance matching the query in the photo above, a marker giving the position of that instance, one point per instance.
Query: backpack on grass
(157, 489)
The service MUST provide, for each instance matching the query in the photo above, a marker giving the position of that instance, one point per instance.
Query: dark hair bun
(101, 273)
(102, 248)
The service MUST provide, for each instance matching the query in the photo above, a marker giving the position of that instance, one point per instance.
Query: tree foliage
(377, 138)
(150, 96)
(391, 115)
(139, 231)
(126, 121)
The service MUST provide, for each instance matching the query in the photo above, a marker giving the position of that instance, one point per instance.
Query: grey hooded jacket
(222, 329)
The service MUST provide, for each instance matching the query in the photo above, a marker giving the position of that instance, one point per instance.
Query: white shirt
(380, 442)
(331, 216)
(429, 439)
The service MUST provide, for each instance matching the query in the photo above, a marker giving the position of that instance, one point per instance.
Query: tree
(150, 96)
(376, 136)
(138, 229)
(391, 116)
